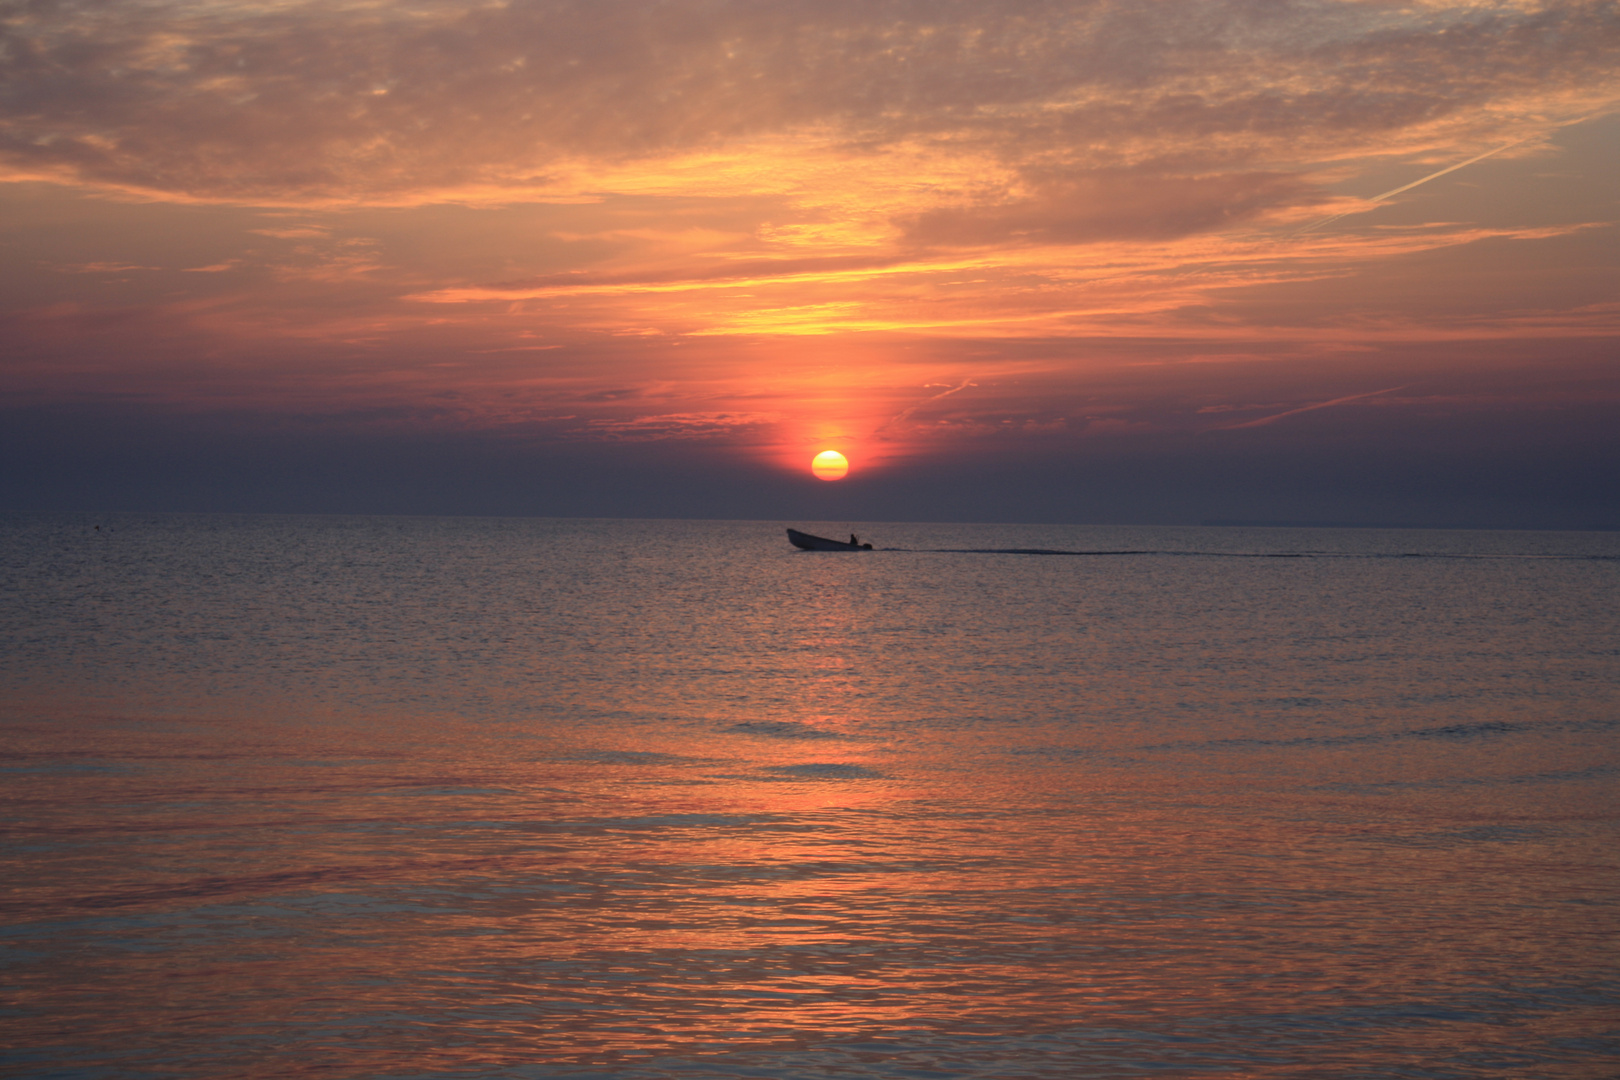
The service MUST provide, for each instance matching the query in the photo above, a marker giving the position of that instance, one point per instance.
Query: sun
(830, 465)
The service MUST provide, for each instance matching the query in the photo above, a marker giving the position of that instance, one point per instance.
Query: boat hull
(820, 543)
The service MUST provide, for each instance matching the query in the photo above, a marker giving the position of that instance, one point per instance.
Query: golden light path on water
(495, 798)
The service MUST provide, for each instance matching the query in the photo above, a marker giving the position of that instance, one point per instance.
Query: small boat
(821, 543)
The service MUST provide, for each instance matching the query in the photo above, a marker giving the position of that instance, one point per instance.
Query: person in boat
(854, 541)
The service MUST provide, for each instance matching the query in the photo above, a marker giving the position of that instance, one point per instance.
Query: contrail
(906, 415)
(1264, 420)
(1408, 187)
(1604, 111)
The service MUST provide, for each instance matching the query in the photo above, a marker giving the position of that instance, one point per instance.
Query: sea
(532, 798)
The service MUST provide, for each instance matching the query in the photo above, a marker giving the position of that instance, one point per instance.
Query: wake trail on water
(1256, 554)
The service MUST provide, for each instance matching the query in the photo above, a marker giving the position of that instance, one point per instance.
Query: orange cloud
(305, 103)
(776, 224)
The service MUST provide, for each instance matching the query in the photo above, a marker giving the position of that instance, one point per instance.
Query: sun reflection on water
(805, 814)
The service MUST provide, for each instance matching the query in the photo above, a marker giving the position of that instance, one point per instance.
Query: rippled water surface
(384, 797)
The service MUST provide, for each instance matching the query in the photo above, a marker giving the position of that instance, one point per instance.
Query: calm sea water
(385, 797)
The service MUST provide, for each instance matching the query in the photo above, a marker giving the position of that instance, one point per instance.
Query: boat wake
(1260, 554)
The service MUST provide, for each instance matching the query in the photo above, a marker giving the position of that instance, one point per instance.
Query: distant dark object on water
(821, 543)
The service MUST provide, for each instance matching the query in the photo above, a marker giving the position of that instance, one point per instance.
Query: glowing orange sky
(777, 227)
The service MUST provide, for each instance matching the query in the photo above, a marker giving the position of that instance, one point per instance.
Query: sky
(1157, 261)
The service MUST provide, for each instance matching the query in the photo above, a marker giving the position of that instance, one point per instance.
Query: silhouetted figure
(854, 542)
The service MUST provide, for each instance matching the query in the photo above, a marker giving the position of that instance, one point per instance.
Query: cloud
(1108, 204)
(810, 208)
(298, 232)
(290, 102)
(99, 268)
(709, 425)
(647, 280)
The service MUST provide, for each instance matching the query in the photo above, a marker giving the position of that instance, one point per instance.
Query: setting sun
(830, 465)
